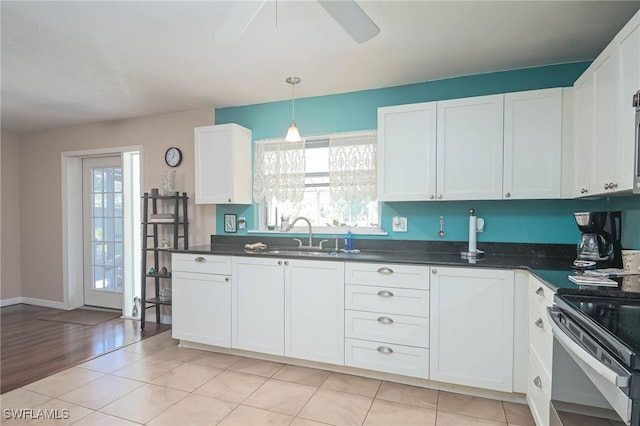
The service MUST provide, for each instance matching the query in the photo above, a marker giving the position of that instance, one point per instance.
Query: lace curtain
(352, 166)
(279, 169)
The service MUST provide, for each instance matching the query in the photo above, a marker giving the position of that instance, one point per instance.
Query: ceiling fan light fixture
(293, 134)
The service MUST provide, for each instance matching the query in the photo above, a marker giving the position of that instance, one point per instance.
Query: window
(335, 187)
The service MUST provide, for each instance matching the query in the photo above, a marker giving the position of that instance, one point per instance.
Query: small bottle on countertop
(349, 241)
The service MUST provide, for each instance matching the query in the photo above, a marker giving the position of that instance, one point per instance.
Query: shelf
(157, 301)
(158, 275)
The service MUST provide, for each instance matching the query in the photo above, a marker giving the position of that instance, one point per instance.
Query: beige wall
(9, 216)
(40, 185)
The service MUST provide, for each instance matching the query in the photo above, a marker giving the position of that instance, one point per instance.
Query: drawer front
(540, 292)
(541, 338)
(538, 392)
(392, 328)
(387, 299)
(388, 275)
(201, 263)
(389, 358)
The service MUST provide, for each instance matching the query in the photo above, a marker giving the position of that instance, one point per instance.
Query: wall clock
(173, 157)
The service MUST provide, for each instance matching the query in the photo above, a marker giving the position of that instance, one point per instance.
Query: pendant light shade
(293, 134)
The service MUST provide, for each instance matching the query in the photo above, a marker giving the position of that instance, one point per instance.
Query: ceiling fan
(347, 13)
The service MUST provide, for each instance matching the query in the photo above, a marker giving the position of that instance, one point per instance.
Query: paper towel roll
(472, 234)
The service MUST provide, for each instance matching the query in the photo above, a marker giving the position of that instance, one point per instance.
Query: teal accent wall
(534, 221)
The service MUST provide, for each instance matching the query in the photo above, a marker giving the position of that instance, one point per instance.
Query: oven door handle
(577, 349)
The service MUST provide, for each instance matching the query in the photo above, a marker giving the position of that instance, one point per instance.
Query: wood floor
(32, 349)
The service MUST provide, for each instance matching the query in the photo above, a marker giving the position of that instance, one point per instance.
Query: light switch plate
(399, 224)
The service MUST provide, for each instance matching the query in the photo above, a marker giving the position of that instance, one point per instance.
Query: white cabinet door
(201, 308)
(314, 310)
(605, 88)
(470, 148)
(532, 144)
(472, 327)
(583, 135)
(407, 142)
(222, 164)
(629, 83)
(258, 305)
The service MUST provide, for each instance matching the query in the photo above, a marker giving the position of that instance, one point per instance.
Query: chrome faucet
(293, 222)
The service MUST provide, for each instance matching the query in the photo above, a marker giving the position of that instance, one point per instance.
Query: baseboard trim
(33, 301)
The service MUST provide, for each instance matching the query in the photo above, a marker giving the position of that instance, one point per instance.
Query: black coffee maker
(600, 241)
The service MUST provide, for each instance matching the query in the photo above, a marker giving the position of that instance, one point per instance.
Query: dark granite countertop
(551, 263)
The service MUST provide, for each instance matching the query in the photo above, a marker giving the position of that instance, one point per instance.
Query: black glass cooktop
(612, 319)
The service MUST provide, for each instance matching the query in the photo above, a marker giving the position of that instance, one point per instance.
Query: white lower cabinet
(472, 327)
(289, 307)
(314, 306)
(387, 318)
(201, 300)
(258, 305)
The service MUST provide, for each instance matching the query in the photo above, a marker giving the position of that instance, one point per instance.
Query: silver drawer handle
(385, 270)
(538, 382)
(385, 293)
(385, 349)
(200, 259)
(540, 291)
(385, 320)
(539, 323)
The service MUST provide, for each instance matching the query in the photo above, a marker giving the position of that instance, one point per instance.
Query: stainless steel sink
(293, 252)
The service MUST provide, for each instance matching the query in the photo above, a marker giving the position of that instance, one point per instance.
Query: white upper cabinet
(607, 114)
(469, 148)
(628, 42)
(407, 152)
(582, 134)
(532, 144)
(222, 164)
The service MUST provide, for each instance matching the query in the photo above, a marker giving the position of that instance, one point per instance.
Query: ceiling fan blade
(238, 19)
(350, 16)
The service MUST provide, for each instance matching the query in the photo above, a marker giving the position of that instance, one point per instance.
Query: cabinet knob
(229, 200)
(431, 196)
(434, 270)
(279, 262)
(540, 291)
(439, 196)
(385, 270)
(507, 195)
(539, 323)
(200, 259)
(606, 186)
(537, 381)
(584, 190)
(613, 185)
(227, 279)
(385, 349)
(385, 320)
(286, 263)
(385, 293)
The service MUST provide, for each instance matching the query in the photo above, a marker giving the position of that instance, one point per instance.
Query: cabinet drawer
(388, 275)
(387, 299)
(538, 392)
(541, 337)
(201, 263)
(540, 292)
(390, 358)
(392, 328)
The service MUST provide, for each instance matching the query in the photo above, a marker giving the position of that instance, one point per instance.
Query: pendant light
(293, 134)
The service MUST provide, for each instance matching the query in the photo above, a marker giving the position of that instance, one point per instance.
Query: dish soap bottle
(349, 241)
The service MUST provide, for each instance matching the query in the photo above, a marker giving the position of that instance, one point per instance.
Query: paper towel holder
(470, 254)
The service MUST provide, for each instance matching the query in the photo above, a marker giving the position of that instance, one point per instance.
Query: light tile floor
(155, 382)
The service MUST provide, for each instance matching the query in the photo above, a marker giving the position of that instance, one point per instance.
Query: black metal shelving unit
(177, 227)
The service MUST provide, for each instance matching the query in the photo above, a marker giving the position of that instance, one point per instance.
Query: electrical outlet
(399, 224)
(479, 225)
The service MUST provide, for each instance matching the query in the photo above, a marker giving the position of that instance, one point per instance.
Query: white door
(314, 310)
(103, 232)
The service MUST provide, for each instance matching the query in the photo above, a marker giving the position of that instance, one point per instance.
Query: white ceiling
(77, 62)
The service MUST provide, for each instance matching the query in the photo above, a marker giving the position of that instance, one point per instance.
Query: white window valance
(279, 170)
(352, 166)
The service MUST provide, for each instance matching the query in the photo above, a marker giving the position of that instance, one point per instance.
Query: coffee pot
(599, 244)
